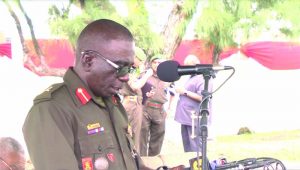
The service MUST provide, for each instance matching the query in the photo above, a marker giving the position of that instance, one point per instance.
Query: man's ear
(87, 61)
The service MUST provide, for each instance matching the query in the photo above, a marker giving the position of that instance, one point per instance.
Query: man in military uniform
(153, 124)
(132, 94)
(80, 123)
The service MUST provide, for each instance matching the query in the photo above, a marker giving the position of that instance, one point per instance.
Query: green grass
(282, 145)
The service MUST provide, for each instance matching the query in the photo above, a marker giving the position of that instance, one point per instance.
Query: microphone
(170, 71)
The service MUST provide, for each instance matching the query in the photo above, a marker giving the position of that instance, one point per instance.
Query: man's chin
(109, 94)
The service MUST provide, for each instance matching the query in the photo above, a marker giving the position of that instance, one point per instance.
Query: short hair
(9, 144)
(191, 60)
(101, 31)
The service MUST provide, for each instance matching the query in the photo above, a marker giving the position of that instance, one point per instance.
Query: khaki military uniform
(69, 128)
(153, 124)
(132, 103)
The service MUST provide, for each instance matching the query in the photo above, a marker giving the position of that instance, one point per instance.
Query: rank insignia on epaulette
(83, 95)
(87, 163)
(49, 88)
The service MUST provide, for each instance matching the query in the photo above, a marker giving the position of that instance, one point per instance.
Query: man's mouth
(116, 89)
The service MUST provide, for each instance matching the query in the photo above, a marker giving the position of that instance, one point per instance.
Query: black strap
(135, 155)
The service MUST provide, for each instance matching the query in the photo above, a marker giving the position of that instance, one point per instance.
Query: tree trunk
(171, 32)
(42, 68)
(18, 25)
(171, 37)
(28, 20)
(82, 3)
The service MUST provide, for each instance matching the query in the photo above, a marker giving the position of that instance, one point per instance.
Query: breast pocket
(97, 151)
(99, 144)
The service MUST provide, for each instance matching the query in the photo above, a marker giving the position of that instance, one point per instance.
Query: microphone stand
(204, 116)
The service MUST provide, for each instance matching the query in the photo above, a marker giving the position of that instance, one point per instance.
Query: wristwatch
(185, 94)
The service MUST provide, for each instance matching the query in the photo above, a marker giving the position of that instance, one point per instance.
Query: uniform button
(99, 148)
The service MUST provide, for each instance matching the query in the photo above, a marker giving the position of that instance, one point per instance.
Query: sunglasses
(121, 70)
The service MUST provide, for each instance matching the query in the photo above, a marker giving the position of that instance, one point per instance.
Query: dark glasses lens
(122, 71)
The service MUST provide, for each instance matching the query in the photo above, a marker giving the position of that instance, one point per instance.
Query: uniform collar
(81, 94)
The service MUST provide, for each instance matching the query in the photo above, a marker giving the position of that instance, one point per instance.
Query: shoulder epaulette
(47, 94)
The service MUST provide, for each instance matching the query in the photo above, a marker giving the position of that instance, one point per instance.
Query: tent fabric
(195, 47)
(273, 55)
(58, 53)
(5, 50)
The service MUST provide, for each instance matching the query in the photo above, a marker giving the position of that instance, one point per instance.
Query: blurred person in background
(132, 94)
(154, 117)
(12, 155)
(189, 88)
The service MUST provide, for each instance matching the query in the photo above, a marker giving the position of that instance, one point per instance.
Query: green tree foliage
(137, 20)
(215, 25)
(138, 23)
(63, 24)
(222, 20)
(287, 11)
(188, 9)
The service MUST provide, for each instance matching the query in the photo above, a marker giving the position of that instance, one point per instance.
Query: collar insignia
(83, 95)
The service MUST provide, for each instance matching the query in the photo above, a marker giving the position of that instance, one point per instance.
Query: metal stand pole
(204, 112)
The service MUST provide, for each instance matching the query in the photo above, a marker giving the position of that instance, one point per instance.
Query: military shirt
(160, 89)
(69, 128)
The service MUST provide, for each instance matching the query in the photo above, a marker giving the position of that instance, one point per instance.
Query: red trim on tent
(196, 47)
(58, 53)
(5, 50)
(273, 55)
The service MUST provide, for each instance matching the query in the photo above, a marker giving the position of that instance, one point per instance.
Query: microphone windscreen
(168, 71)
